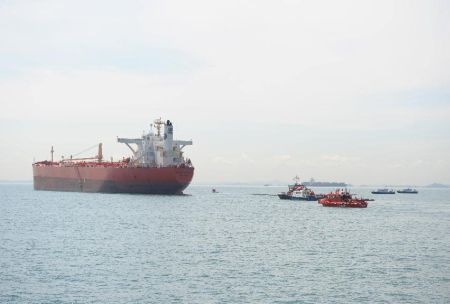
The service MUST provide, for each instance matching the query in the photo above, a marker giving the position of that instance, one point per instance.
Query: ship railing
(45, 163)
(118, 164)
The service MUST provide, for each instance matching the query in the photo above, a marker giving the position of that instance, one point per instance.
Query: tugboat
(299, 192)
(408, 191)
(383, 191)
(342, 198)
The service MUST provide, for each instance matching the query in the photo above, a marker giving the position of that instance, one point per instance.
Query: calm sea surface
(229, 247)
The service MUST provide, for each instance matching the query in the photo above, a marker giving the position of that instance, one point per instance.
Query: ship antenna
(51, 152)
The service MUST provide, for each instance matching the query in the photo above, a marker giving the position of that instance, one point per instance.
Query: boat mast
(158, 123)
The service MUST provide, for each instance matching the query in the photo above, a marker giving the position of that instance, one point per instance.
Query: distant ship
(157, 166)
(408, 191)
(383, 191)
(314, 183)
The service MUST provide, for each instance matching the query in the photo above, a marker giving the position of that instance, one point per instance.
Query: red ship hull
(111, 179)
(357, 204)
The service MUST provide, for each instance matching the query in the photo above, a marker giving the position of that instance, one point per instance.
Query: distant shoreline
(16, 181)
(280, 184)
(326, 184)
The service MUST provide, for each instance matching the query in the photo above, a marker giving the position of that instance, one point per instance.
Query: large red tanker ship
(157, 166)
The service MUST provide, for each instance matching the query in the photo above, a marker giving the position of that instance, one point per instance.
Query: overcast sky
(354, 91)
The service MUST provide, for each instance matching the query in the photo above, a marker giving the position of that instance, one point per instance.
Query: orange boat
(342, 198)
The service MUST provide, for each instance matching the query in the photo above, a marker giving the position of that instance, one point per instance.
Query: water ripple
(228, 247)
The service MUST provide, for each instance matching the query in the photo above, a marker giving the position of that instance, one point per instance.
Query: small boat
(383, 191)
(408, 191)
(343, 199)
(299, 192)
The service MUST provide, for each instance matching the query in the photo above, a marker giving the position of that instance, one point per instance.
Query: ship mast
(158, 123)
(51, 152)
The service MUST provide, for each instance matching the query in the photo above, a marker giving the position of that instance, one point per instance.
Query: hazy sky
(354, 91)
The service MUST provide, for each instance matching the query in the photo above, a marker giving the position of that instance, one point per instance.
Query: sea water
(227, 247)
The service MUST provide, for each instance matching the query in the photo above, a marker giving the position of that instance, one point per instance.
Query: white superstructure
(157, 150)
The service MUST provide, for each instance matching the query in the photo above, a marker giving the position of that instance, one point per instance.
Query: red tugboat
(342, 198)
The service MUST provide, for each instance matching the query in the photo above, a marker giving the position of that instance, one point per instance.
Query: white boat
(408, 191)
(383, 191)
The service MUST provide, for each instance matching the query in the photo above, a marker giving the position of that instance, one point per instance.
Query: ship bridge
(157, 149)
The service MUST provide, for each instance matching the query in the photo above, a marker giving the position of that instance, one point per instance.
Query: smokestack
(168, 143)
(100, 152)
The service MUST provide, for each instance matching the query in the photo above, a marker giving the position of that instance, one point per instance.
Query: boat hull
(167, 180)
(408, 192)
(296, 198)
(346, 205)
(379, 192)
(352, 204)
